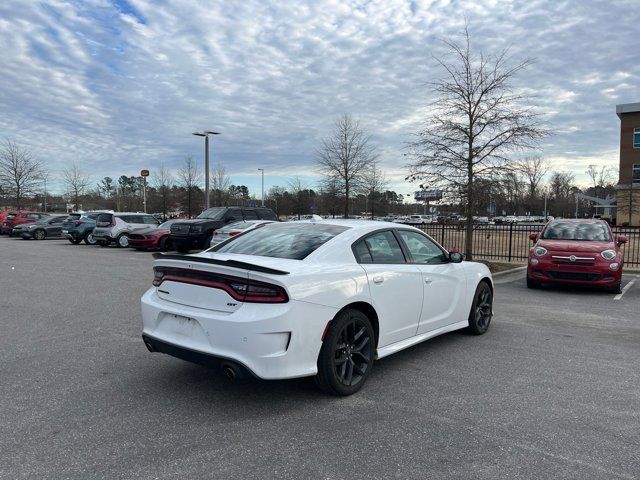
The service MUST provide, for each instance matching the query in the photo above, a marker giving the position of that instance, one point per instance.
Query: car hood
(152, 230)
(575, 246)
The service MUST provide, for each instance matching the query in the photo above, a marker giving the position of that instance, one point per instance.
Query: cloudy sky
(118, 85)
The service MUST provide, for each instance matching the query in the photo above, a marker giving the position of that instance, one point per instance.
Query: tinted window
(294, 241)
(266, 214)
(103, 219)
(384, 248)
(233, 215)
(57, 220)
(422, 249)
(149, 220)
(73, 217)
(213, 213)
(581, 231)
(166, 225)
(32, 215)
(131, 218)
(250, 215)
(361, 251)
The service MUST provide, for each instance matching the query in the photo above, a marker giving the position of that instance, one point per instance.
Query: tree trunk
(468, 240)
(346, 200)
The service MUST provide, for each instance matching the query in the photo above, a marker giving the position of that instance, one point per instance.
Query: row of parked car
(136, 230)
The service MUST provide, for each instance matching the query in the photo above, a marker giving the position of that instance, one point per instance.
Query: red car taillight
(78, 223)
(234, 232)
(240, 289)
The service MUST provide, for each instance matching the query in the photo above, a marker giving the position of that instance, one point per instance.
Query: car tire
(481, 309)
(164, 244)
(89, 239)
(616, 288)
(531, 283)
(75, 241)
(39, 235)
(347, 354)
(122, 241)
(102, 243)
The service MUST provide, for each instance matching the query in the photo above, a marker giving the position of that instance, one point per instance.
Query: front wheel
(347, 354)
(123, 241)
(39, 234)
(481, 310)
(74, 240)
(89, 239)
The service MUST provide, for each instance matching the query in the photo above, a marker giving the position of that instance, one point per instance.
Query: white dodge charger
(324, 298)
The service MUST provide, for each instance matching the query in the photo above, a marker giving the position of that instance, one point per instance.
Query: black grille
(180, 229)
(581, 276)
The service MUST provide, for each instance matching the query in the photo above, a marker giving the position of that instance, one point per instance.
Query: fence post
(510, 239)
(442, 236)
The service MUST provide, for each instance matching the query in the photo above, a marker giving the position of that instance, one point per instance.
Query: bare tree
(346, 156)
(189, 177)
(297, 188)
(533, 169)
(20, 173)
(76, 181)
(476, 122)
(374, 183)
(163, 181)
(220, 183)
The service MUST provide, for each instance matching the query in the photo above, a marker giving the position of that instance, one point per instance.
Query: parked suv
(19, 219)
(196, 234)
(116, 227)
(79, 226)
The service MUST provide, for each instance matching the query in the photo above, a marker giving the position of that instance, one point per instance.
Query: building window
(636, 138)
(635, 173)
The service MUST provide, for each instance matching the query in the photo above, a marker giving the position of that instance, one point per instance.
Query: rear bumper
(5, 230)
(273, 341)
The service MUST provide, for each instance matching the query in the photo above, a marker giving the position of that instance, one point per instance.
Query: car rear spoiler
(226, 263)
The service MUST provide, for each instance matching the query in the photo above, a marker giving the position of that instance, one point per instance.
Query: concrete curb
(505, 272)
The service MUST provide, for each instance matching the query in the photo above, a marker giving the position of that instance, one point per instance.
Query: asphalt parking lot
(551, 391)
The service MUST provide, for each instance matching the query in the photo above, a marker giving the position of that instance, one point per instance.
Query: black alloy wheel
(347, 354)
(481, 309)
(39, 234)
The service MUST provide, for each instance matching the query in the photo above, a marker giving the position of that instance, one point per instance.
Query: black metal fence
(511, 242)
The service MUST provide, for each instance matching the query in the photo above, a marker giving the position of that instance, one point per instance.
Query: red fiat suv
(577, 252)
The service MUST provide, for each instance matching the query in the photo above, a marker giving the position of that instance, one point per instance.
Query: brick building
(628, 195)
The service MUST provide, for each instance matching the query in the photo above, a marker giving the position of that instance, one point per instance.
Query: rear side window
(294, 241)
(384, 248)
(104, 219)
(361, 251)
(131, 218)
(233, 215)
(266, 214)
(250, 215)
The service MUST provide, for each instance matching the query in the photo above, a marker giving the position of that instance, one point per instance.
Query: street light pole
(206, 134)
(261, 170)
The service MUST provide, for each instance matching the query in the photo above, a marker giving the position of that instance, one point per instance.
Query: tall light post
(261, 170)
(206, 134)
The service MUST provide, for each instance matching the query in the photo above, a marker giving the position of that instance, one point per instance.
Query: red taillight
(240, 289)
(78, 223)
(234, 232)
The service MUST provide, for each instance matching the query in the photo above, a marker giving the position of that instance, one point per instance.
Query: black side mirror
(455, 257)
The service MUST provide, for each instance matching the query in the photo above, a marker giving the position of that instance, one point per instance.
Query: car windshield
(293, 241)
(580, 231)
(213, 213)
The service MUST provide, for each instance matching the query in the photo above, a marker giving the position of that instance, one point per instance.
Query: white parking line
(624, 290)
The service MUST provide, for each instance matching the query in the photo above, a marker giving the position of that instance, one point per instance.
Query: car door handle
(378, 280)
(427, 280)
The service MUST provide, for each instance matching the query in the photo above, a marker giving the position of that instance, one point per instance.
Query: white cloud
(118, 86)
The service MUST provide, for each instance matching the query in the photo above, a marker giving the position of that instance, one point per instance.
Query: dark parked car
(196, 234)
(48, 227)
(79, 226)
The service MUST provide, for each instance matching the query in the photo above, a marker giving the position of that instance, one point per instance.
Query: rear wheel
(347, 354)
(122, 241)
(89, 239)
(39, 234)
(481, 310)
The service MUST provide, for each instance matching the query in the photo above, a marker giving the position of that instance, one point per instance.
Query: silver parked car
(235, 228)
(116, 227)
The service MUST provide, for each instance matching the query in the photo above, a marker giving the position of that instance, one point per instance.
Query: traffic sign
(144, 173)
